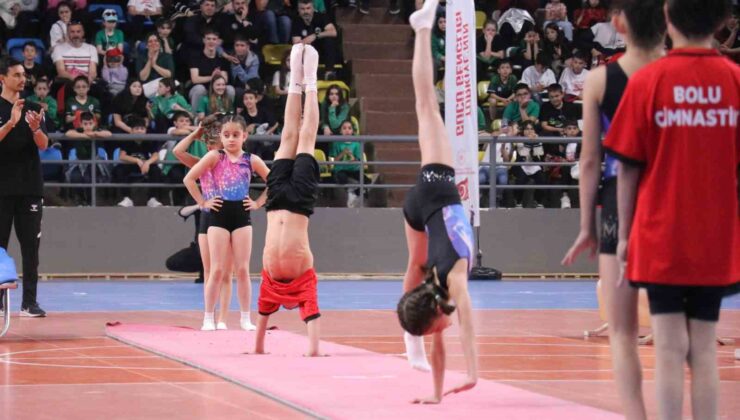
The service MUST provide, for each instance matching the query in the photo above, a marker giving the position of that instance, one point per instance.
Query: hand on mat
(585, 241)
(315, 355)
(250, 204)
(622, 259)
(428, 400)
(468, 384)
(213, 204)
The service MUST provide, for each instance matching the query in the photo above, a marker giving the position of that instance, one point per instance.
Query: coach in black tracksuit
(22, 135)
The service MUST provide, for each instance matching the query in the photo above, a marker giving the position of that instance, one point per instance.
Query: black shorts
(204, 220)
(697, 302)
(293, 185)
(231, 216)
(434, 189)
(609, 235)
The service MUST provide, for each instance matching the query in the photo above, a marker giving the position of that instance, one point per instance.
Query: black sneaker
(393, 7)
(365, 7)
(33, 311)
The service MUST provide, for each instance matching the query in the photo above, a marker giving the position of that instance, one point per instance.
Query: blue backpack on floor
(7, 268)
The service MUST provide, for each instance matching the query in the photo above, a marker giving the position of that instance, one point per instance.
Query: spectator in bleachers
(139, 164)
(264, 102)
(490, 48)
(315, 29)
(49, 104)
(195, 27)
(503, 154)
(729, 39)
(80, 102)
(9, 9)
(501, 88)
(156, 64)
(114, 72)
(530, 47)
(569, 198)
(217, 100)
(522, 108)
(109, 37)
(556, 12)
(139, 12)
(258, 121)
(164, 30)
(81, 173)
(529, 152)
(334, 111)
(556, 48)
(166, 103)
(182, 125)
(27, 19)
(539, 76)
(205, 66)
(34, 71)
(589, 15)
(127, 105)
(75, 57)
(513, 22)
(556, 112)
(574, 77)
(347, 173)
(246, 65)
(275, 18)
(438, 43)
(58, 33)
(237, 24)
(607, 41)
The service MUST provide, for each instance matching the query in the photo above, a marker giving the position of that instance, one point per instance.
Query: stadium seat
(324, 170)
(96, 10)
(355, 124)
(480, 20)
(323, 85)
(483, 90)
(496, 125)
(14, 47)
(274, 53)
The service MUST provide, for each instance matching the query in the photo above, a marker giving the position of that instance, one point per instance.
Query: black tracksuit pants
(24, 212)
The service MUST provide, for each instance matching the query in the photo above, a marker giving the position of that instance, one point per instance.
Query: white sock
(424, 18)
(415, 352)
(246, 316)
(208, 316)
(296, 70)
(310, 68)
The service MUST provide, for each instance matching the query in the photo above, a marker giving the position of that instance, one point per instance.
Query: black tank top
(616, 82)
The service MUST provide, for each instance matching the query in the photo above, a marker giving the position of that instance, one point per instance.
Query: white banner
(461, 103)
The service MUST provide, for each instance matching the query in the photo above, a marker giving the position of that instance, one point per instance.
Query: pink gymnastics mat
(350, 384)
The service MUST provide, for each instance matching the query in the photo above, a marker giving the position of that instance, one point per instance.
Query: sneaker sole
(30, 315)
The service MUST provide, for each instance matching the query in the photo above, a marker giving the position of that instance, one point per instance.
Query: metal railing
(362, 185)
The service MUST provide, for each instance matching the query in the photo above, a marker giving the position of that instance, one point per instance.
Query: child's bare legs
(289, 136)
(703, 365)
(241, 244)
(224, 300)
(219, 247)
(313, 338)
(621, 306)
(307, 136)
(417, 245)
(671, 349)
(433, 142)
(259, 338)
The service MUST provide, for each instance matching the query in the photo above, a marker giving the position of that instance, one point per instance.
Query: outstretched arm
(459, 293)
(438, 369)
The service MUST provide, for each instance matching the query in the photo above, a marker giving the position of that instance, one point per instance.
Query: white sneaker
(153, 202)
(208, 325)
(353, 200)
(126, 202)
(221, 326)
(540, 206)
(247, 325)
(565, 202)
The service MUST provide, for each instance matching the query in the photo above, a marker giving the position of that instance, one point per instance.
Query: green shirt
(203, 106)
(481, 120)
(438, 46)
(72, 105)
(164, 60)
(500, 88)
(511, 112)
(334, 116)
(162, 106)
(108, 41)
(336, 149)
(197, 149)
(53, 109)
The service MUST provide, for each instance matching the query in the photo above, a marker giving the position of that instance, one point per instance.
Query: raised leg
(307, 139)
(289, 136)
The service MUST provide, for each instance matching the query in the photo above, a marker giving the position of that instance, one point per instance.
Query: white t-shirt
(607, 36)
(573, 83)
(142, 5)
(531, 77)
(276, 80)
(499, 159)
(76, 60)
(58, 34)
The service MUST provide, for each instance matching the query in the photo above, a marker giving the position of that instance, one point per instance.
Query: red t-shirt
(678, 119)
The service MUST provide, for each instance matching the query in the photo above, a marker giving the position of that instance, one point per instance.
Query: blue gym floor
(81, 296)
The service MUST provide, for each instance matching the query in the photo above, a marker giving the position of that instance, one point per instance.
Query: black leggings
(25, 213)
